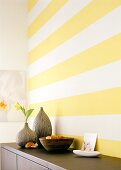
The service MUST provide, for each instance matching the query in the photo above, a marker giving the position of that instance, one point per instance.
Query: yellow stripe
(97, 103)
(45, 15)
(104, 146)
(103, 53)
(81, 20)
(31, 3)
(109, 147)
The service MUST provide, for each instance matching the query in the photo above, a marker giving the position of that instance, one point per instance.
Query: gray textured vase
(42, 125)
(25, 135)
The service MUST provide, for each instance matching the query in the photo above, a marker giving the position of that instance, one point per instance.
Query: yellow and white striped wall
(75, 68)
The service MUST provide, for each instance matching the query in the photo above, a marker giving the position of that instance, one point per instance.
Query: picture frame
(12, 90)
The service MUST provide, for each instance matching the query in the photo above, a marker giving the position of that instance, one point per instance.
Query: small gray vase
(25, 135)
(42, 125)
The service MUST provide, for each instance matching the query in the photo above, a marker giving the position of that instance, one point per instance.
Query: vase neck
(26, 124)
(41, 108)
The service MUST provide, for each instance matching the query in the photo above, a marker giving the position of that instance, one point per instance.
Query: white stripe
(101, 78)
(37, 9)
(100, 124)
(104, 28)
(71, 8)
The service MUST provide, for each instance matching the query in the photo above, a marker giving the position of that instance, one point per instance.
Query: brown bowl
(56, 144)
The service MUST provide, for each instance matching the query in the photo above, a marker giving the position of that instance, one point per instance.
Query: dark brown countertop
(66, 160)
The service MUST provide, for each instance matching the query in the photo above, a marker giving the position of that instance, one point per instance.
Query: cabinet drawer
(25, 164)
(8, 160)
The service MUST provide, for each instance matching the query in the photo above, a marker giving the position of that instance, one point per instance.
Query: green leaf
(23, 110)
(28, 113)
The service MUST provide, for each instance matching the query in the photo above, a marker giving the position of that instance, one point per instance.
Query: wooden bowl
(56, 144)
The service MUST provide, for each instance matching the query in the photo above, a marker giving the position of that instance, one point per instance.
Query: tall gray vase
(25, 135)
(42, 125)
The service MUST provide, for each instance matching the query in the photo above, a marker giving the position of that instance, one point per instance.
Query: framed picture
(12, 90)
(89, 142)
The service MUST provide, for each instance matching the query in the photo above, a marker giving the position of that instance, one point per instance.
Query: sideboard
(15, 158)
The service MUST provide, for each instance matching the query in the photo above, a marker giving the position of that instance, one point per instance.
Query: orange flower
(3, 105)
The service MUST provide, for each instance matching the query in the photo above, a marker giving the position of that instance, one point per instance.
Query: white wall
(13, 34)
(13, 50)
